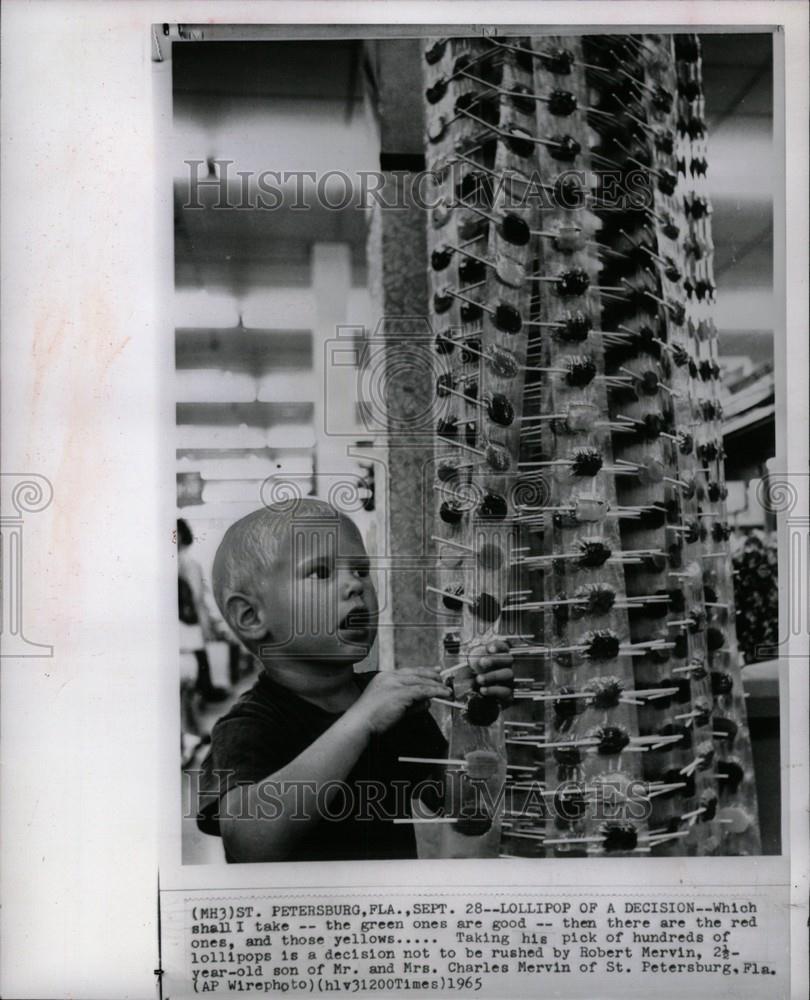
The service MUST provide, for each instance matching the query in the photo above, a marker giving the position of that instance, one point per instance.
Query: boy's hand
(391, 693)
(492, 665)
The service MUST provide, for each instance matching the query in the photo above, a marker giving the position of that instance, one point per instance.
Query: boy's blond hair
(251, 547)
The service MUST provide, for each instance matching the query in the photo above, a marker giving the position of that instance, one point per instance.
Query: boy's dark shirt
(270, 725)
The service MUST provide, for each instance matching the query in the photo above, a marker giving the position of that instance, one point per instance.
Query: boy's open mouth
(357, 620)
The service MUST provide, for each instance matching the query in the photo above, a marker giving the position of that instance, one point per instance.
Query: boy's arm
(264, 821)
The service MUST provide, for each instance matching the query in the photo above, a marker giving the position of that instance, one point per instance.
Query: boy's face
(320, 603)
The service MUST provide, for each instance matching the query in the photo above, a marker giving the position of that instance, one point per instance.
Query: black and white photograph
(475, 409)
(404, 499)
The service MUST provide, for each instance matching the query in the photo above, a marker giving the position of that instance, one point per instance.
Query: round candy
(557, 61)
(580, 417)
(656, 609)
(590, 510)
(619, 837)
(679, 356)
(449, 598)
(562, 103)
(662, 99)
(687, 48)
(669, 229)
(493, 506)
(724, 729)
(567, 708)
(672, 729)
(570, 803)
(472, 227)
(602, 645)
(674, 777)
(665, 143)
(574, 328)
(715, 638)
(481, 764)
(605, 692)
(509, 271)
(597, 599)
(586, 462)
(649, 383)
(507, 318)
(452, 643)
(653, 424)
(486, 607)
(481, 710)
(569, 239)
(568, 756)
(655, 562)
(736, 820)
(473, 186)
(472, 271)
(650, 471)
(520, 101)
(497, 458)
(703, 711)
(514, 230)
(565, 149)
(436, 51)
(717, 492)
(500, 410)
(697, 668)
(692, 533)
(440, 258)
(519, 141)
(684, 691)
(705, 753)
(697, 207)
(573, 282)
(581, 372)
(594, 553)
(436, 92)
(502, 362)
(667, 182)
(450, 512)
(612, 740)
(444, 345)
(568, 192)
(441, 303)
(490, 556)
(722, 683)
(653, 517)
(677, 313)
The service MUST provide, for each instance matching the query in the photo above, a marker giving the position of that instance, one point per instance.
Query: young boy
(305, 766)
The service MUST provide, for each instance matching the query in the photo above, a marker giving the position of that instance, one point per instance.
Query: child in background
(306, 766)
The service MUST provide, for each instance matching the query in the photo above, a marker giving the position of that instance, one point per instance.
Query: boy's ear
(246, 617)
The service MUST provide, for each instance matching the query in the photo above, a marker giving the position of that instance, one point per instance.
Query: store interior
(261, 294)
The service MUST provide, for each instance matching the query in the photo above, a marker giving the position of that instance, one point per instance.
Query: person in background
(197, 625)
